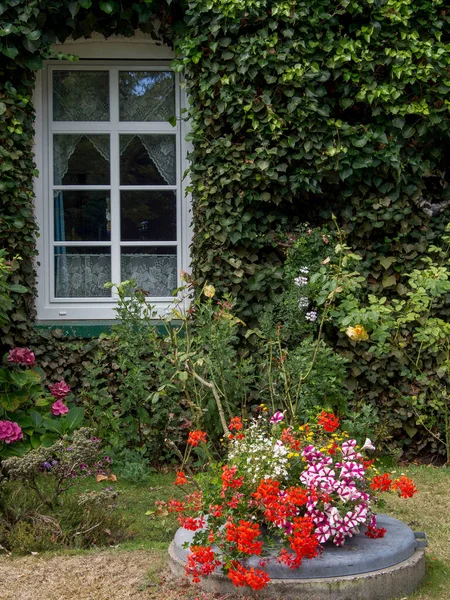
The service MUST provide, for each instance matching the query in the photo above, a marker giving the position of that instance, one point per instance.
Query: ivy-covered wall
(299, 109)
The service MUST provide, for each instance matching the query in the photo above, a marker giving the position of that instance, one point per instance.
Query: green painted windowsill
(85, 329)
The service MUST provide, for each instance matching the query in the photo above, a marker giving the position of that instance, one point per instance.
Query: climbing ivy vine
(298, 109)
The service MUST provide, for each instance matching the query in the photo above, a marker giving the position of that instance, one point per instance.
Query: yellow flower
(209, 291)
(357, 333)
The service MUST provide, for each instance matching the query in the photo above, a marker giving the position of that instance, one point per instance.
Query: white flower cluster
(303, 302)
(259, 457)
(302, 279)
(311, 316)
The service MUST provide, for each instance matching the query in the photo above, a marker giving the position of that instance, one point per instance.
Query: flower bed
(289, 488)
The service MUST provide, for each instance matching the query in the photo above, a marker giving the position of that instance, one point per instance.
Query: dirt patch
(105, 575)
(100, 576)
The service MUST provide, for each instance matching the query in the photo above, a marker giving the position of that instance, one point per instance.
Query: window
(111, 205)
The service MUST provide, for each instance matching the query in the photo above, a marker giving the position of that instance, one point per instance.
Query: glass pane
(81, 96)
(80, 159)
(82, 272)
(154, 269)
(148, 216)
(146, 95)
(82, 216)
(147, 160)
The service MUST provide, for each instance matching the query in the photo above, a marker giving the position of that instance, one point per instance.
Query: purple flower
(46, 465)
(21, 356)
(10, 432)
(59, 408)
(277, 417)
(59, 390)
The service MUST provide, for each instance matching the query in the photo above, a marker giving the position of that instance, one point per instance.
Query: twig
(213, 388)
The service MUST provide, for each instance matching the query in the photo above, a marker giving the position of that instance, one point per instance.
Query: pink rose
(10, 432)
(59, 408)
(59, 390)
(21, 356)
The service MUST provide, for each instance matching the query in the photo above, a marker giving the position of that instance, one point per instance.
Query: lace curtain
(84, 96)
(160, 150)
(84, 275)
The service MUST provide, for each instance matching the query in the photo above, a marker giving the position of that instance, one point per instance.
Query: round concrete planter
(362, 569)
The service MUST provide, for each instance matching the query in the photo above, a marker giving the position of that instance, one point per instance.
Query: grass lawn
(137, 568)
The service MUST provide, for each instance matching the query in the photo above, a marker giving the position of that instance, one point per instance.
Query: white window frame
(99, 54)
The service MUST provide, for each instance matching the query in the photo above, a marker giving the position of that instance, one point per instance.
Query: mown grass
(428, 511)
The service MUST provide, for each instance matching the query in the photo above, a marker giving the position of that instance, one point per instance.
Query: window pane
(148, 216)
(81, 95)
(147, 160)
(80, 159)
(82, 216)
(154, 269)
(146, 95)
(82, 272)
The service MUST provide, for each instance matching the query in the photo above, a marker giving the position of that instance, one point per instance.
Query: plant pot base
(374, 581)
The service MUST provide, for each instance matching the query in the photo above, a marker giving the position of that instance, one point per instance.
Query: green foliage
(302, 107)
(7, 288)
(297, 110)
(25, 401)
(83, 519)
(126, 370)
(411, 329)
(59, 465)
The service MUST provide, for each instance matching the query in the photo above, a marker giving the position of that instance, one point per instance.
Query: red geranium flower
(257, 579)
(405, 487)
(196, 437)
(181, 478)
(375, 532)
(381, 483)
(328, 421)
(235, 424)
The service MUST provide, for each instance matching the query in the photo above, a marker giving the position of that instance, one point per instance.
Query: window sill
(85, 329)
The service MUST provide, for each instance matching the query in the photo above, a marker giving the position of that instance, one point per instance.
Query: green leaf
(36, 418)
(34, 63)
(10, 52)
(172, 121)
(74, 417)
(389, 281)
(19, 289)
(263, 164)
(53, 425)
(386, 261)
(107, 7)
(398, 122)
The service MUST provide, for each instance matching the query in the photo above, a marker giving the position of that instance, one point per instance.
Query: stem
(213, 388)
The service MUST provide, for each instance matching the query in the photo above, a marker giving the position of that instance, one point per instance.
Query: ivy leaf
(10, 52)
(107, 7)
(263, 164)
(389, 281)
(73, 7)
(399, 122)
(386, 261)
(34, 63)
(173, 121)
